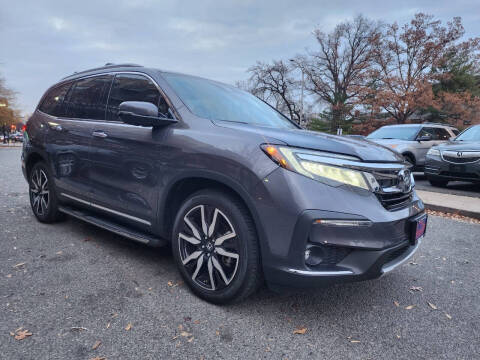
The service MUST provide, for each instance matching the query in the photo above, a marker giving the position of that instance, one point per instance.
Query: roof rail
(106, 66)
(437, 123)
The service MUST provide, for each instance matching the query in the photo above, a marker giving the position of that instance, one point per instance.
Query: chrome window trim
(92, 204)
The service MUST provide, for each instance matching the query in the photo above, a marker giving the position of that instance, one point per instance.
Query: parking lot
(82, 293)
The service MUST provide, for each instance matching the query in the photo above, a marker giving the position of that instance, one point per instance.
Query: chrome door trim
(92, 204)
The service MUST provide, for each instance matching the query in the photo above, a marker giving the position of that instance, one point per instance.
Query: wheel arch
(410, 155)
(30, 162)
(181, 188)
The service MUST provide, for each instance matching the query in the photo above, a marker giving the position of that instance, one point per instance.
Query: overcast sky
(42, 41)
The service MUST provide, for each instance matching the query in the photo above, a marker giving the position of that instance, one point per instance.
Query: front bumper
(439, 169)
(348, 253)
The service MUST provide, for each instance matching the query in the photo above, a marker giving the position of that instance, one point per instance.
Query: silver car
(413, 140)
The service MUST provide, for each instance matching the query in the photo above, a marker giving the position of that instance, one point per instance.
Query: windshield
(395, 132)
(471, 134)
(216, 101)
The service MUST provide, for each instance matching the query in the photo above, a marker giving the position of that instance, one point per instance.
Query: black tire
(438, 183)
(245, 275)
(43, 199)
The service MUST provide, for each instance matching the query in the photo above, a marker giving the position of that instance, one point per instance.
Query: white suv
(413, 140)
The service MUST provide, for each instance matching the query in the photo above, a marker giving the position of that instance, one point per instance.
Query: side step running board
(114, 227)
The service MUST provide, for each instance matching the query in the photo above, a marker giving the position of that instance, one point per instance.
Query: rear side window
(455, 131)
(132, 87)
(442, 134)
(53, 103)
(428, 131)
(89, 98)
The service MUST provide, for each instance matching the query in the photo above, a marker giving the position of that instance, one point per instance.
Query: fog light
(313, 256)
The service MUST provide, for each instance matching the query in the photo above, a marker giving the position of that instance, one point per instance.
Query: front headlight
(433, 151)
(314, 164)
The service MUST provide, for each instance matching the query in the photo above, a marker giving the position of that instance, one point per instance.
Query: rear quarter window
(54, 102)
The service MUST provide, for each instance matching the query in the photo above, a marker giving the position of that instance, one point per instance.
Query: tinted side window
(53, 103)
(455, 131)
(89, 98)
(131, 87)
(428, 131)
(442, 134)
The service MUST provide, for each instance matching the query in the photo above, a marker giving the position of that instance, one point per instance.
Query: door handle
(100, 134)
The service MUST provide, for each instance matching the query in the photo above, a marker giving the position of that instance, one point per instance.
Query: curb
(446, 209)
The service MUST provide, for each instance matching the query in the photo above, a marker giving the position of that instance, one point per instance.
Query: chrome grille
(461, 157)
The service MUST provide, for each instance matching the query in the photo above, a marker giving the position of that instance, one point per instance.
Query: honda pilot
(243, 194)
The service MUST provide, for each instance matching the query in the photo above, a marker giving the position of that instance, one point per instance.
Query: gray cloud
(43, 41)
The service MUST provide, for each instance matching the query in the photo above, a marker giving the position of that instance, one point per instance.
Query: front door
(126, 158)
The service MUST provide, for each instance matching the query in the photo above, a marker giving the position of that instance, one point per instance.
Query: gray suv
(413, 140)
(242, 194)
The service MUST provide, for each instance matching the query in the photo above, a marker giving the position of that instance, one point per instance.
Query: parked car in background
(413, 140)
(242, 194)
(456, 160)
(16, 137)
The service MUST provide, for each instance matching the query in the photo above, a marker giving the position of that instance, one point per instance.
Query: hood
(460, 146)
(390, 141)
(361, 148)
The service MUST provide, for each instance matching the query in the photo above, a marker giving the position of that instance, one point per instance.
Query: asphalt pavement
(82, 293)
(462, 188)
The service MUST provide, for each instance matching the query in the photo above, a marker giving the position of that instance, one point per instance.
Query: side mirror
(141, 113)
(424, 138)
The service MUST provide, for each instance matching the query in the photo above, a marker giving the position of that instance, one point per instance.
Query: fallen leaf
(128, 327)
(217, 332)
(114, 315)
(79, 328)
(99, 358)
(96, 345)
(196, 322)
(59, 252)
(108, 325)
(12, 334)
(9, 275)
(409, 307)
(19, 265)
(354, 341)
(300, 331)
(433, 306)
(185, 334)
(191, 339)
(448, 316)
(398, 336)
(22, 334)
(416, 288)
(396, 303)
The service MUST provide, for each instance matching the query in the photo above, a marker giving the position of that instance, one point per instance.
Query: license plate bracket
(418, 228)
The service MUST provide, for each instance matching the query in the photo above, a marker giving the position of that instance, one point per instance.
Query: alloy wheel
(39, 192)
(209, 247)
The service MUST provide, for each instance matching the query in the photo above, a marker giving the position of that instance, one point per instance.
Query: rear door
(124, 170)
